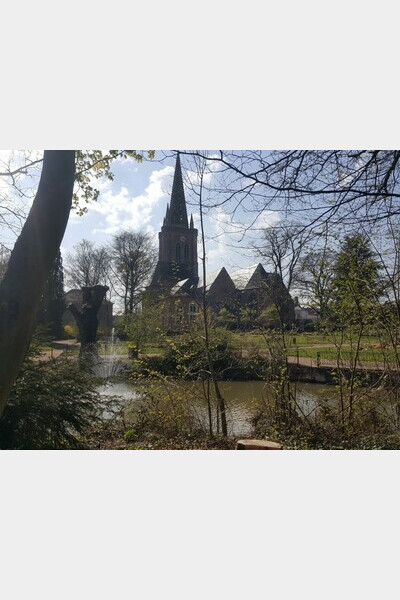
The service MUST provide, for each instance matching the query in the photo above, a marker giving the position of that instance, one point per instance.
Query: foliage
(92, 165)
(52, 304)
(315, 278)
(356, 284)
(270, 317)
(70, 331)
(50, 406)
(142, 327)
(374, 426)
(185, 354)
(248, 317)
(165, 410)
(225, 317)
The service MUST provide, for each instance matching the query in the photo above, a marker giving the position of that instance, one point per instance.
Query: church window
(186, 252)
(178, 252)
(192, 308)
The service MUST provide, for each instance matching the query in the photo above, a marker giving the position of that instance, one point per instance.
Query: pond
(242, 399)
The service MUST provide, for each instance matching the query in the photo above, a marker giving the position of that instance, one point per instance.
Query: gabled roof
(184, 286)
(178, 286)
(240, 277)
(222, 283)
(259, 278)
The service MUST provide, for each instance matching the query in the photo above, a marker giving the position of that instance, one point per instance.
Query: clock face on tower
(182, 238)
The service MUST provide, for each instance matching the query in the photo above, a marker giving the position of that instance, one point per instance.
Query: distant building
(175, 285)
(105, 313)
(304, 315)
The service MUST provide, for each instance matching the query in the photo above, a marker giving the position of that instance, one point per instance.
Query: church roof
(240, 277)
(184, 287)
(259, 277)
(179, 286)
(177, 214)
(222, 283)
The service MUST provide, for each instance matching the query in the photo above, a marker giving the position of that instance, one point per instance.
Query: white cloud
(267, 218)
(122, 210)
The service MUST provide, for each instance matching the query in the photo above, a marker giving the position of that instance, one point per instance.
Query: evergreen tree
(52, 304)
(356, 284)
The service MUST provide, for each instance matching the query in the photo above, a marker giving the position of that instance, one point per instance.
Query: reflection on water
(242, 399)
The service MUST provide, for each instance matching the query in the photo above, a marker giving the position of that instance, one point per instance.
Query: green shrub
(130, 435)
(50, 406)
(186, 357)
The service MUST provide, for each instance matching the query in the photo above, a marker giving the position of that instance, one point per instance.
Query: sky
(137, 198)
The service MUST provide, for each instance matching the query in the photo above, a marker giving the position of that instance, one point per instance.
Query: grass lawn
(367, 354)
(301, 342)
(251, 339)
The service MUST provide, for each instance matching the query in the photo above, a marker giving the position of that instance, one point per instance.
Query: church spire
(177, 213)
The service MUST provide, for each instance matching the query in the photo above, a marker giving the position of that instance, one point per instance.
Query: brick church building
(175, 285)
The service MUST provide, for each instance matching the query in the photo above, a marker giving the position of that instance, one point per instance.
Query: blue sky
(137, 199)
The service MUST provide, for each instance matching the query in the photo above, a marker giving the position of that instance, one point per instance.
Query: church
(175, 285)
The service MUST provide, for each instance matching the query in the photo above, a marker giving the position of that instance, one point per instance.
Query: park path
(48, 355)
(64, 346)
(58, 348)
(307, 361)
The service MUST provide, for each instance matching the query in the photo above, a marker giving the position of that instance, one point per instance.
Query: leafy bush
(120, 328)
(186, 356)
(166, 410)
(130, 435)
(69, 330)
(50, 406)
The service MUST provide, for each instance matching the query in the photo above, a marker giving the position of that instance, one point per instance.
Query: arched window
(186, 252)
(178, 252)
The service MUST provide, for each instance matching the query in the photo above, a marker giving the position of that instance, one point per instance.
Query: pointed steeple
(177, 213)
(191, 222)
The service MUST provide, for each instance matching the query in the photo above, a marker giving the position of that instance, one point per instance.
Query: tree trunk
(31, 261)
(220, 399)
(86, 317)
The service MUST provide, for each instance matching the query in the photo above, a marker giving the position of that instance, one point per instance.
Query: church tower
(177, 240)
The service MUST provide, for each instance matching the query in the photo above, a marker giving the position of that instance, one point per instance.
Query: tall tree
(198, 189)
(315, 276)
(39, 241)
(356, 283)
(88, 265)
(133, 258)
(282, 247)
(52, 304)
(31, 261)
(324, 186)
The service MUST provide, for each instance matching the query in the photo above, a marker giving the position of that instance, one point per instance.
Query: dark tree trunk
(31, 262)
(86, 317)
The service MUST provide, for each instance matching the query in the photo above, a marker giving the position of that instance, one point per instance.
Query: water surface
(242, 399)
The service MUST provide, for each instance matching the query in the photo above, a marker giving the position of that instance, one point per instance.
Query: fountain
(109, 363)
